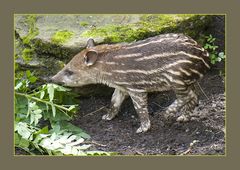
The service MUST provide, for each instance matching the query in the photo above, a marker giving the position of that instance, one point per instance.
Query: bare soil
(204, 134)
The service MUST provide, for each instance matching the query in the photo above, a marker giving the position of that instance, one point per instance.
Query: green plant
(61, 36)
(42, 117)
(84, 23)
(32, 30)
(212, 49)
(150, 25)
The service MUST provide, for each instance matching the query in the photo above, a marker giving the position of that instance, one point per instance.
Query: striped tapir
(164, 62)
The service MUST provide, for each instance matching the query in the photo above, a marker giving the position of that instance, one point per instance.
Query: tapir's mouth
(55, 80)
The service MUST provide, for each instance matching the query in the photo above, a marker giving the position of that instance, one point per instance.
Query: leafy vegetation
(212, 49)
(42, 117)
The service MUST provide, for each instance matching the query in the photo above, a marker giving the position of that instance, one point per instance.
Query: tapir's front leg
(116, 102)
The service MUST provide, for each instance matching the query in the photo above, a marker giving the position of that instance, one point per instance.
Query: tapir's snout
(53, 79)
(56, 79)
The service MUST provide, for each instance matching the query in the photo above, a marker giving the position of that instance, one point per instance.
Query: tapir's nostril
(56, 80)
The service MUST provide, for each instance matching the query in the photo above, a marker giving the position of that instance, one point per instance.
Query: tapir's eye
(68, 72)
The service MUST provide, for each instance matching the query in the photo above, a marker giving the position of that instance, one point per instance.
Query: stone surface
(48, 25)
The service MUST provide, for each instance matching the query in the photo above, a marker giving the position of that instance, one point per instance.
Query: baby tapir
(164, 62)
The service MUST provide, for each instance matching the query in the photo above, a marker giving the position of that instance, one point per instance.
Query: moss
(150, 25)
(114, 33)
(59, 51)
(27, 54)
(84, 23)
(27, 50)
(61, 36)
(32, 29)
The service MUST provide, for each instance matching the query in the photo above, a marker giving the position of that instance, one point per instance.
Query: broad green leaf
(23, 130)
(28, 73)
(44, 130)
(47, 108)
(38, 111)
(37, 117)
(71, 138)
(19, 85)
(46, 143)
(42, 94)
(221, 55)
(16, 139)
(74, 129)
(32, 79)
(74, 151)
(50, 90)
(23, 143)
(219, 59)
(53, 110)
(66, 150)
(64, 138)
(29, 108)
(60, 88)
(53, 136)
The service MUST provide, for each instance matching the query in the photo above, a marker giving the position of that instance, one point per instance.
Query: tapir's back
(157, 61)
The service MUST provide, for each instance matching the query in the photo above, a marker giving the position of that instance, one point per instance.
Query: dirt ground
(204, 134)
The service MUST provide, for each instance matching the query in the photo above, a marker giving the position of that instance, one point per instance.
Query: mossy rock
(45, 42)
(151, 25)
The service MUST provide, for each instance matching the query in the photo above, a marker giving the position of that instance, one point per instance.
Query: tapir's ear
(90, 43)
(90, 58)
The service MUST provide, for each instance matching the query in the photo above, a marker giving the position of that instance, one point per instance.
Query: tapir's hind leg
(186, 101)
(141, 107)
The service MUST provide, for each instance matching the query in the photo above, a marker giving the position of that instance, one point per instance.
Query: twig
(95, 143)
(139, 153)
(91, 113)
(43, 101)
(190, 147)
(159, 105)
(202, 90)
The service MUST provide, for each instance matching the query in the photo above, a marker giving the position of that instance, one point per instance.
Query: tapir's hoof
(183, 118)
(145, 126)
(108, 116)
